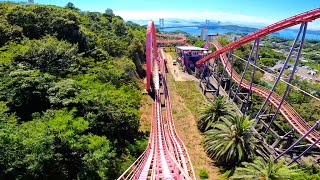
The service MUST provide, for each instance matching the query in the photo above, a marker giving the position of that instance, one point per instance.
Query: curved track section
(289, 22)
(286, 110)
(166, 156)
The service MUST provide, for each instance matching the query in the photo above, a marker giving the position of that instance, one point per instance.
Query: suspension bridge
(166, 157)
(205, 25)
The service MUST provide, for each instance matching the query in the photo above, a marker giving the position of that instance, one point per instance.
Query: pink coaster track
(289, 22)
(166, 156)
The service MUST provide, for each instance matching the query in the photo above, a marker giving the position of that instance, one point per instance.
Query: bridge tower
(161, 23)
(207, 22)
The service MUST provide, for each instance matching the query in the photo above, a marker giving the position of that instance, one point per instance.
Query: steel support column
(291, 76)
(254, 67)
(230, 81)
(304, 152)
(253, 73)
(222, 76)
(245, 69)
(298, 141)
(280, 74)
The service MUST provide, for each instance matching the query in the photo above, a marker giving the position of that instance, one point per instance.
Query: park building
(188, 56)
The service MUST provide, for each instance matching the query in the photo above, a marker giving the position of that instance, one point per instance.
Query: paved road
(177, 73)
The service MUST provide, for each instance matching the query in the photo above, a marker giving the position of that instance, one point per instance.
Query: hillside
(69, 93)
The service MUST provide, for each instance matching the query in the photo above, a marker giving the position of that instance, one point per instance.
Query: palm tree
(213, 112)
(265, 170)
(231, 141)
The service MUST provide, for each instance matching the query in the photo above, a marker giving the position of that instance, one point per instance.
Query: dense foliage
(268, 170)
(231, 141)
(69, 94)
(215, 111)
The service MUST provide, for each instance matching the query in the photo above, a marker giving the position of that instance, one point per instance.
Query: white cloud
(211, 15)
(190, 15)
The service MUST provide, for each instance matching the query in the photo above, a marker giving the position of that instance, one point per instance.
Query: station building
(189, 56)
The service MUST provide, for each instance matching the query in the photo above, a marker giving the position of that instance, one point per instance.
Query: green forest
(69, 93)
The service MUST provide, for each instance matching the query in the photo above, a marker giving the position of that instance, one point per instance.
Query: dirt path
(176, 71)
(186, 101)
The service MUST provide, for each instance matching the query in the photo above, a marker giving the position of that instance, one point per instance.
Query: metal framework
(289, 22)
(293, 118)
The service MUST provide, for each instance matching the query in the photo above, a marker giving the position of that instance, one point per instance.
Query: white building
(204, 33)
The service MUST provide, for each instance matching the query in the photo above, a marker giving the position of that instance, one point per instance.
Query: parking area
(304, 72)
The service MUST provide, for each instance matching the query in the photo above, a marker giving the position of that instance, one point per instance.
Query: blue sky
(255, 12)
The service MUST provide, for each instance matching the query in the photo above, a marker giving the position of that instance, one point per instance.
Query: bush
(203, 174)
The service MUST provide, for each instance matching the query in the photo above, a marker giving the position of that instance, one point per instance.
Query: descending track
(166, 156)
(286, 110)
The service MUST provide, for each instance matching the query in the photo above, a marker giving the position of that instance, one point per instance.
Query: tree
(69, 93)
(270, 62)
(199, 43)
(120, 28)
(9, 33)
(71, 6)
(49, 55)
(231, 141)
(215, 111)
(113, 45)
(25, 91)
(111, 111)
(265, 170)
(108, 10)
(63, 93)
(223, 41)
(53, 146)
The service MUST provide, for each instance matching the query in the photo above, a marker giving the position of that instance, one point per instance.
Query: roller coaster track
(166, 156)
(286, 110)
(289, 22)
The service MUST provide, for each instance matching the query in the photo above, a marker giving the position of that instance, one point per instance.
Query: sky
(249, 12)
